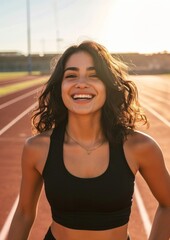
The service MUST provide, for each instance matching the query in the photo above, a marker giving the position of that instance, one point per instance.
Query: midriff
(63, 233)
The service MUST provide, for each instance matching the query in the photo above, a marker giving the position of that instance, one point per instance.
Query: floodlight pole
(29, 38)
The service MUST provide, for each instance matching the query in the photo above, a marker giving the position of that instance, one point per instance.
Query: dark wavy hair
(121, 111)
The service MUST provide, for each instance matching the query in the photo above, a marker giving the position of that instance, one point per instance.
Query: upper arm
(152, 167)
(31, 183)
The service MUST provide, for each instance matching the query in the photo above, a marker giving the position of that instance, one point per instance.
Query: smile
(82, 96)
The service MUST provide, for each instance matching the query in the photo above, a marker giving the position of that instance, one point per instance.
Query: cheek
(103, 94)
(103, 99)
(64, 87)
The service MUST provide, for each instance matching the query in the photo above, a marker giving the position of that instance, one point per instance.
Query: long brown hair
(121, 111)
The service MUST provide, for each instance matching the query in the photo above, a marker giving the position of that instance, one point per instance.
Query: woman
(88, 152)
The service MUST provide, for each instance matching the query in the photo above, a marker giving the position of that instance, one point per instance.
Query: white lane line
(6, 104)
(5, 229)
(6, 226)
(143, 212)
(156, 114)
(158, 98)
(4, 129)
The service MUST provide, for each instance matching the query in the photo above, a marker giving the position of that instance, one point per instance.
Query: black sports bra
(98, 203)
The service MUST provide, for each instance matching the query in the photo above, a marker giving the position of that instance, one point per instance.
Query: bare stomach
(62, 233)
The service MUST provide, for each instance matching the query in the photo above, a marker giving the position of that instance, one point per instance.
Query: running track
(15, 128)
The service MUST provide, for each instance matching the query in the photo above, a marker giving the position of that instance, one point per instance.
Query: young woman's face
(82, 91)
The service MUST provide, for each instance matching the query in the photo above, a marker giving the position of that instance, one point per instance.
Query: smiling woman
(82, 90)
(88, 151)
(121, 103)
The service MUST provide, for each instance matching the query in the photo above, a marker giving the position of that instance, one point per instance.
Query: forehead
(80, 59)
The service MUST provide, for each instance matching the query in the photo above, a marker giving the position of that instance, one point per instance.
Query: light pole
(29, 38)
(58, 40)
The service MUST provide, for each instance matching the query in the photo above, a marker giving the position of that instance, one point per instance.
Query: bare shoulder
(36, 150)
(38, 140)
(142, 142)
(143, 149)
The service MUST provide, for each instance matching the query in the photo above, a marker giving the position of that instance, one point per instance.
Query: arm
(30, 190)
(161, 224)
(152, 168)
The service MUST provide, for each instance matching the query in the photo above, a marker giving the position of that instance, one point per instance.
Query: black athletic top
(96, 203)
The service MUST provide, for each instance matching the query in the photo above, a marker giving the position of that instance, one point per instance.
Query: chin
(84, 111)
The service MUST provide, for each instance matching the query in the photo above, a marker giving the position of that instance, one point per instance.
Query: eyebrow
(77, 69)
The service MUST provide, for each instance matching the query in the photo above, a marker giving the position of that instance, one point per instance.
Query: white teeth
(82, 96)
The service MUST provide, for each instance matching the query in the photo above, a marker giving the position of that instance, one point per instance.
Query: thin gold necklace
(89, 150)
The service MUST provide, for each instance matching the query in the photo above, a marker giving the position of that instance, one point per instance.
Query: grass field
(14, 87)
(13, 75)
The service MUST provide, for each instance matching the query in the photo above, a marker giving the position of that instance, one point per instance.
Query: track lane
(11, 141)
(19, 98)
(10, 97)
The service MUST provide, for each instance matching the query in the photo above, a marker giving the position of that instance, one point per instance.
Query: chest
(103, 182)
(83, 165)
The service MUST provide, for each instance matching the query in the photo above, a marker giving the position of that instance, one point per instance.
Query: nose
(82, 82)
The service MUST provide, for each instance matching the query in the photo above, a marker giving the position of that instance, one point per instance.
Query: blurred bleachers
(138, 63)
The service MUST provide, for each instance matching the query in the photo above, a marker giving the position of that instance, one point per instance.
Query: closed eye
(94, 76)
(70, 76)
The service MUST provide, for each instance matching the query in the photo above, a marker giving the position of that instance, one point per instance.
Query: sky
(120, 25)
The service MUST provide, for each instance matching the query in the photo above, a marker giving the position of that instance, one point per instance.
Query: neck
(85, 128)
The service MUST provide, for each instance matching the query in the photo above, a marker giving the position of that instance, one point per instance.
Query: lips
(82, 96)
